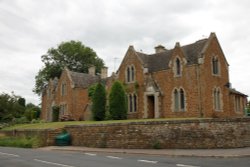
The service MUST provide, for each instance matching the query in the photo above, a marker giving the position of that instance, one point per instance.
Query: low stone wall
(200, 133)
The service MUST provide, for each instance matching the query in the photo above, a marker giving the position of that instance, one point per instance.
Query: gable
(213, 46)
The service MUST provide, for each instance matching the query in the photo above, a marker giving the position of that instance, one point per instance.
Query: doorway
(151, 106)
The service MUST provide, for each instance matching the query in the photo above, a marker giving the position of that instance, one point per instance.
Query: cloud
(29, 28)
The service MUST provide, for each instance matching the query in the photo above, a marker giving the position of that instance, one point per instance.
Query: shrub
(117, 102)
(22, 120)
(99, 103)
(91, 91)
(24, 142)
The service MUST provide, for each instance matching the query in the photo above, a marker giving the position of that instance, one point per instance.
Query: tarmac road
(18, 157)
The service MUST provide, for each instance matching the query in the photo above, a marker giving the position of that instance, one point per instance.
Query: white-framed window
(217, 99)
(130, 74)
(132, 103)
(215, 66)
(179, 99)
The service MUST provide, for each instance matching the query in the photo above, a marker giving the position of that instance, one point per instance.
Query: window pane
(215, 100)
(132, 74)
(130, 103)
(178, 67)
(218, 100)
(135, 103)
(176, 100)
(182, 99)
(128, 74)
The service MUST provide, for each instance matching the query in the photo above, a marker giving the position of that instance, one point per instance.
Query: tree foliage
(99, 103)
(10, 107)
(117, 102)
(32, 112)
(73, 55)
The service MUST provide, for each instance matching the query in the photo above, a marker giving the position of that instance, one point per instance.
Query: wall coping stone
(198, 120)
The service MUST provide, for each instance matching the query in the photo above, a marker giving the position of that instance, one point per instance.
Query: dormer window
(215, 66)
(130, 74)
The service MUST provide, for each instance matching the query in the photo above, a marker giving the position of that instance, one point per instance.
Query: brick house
(186, 81)
(70, 94)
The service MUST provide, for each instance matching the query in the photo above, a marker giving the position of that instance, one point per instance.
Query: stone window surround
(132, 102)
(217, 101)
(218, 72)
(63, 89)
(130, 74)
(63, 108)
(179, 100)
(175, 67)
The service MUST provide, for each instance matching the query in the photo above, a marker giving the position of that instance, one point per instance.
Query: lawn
(55, 125)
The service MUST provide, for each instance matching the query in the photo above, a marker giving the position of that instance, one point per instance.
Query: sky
(28, 28)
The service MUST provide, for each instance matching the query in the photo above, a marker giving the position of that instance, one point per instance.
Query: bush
(23, 142)
(22, 120)
(55, 113)
(99, 103)
(117, 102)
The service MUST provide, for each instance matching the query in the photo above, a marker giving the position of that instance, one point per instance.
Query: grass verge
(55, 125)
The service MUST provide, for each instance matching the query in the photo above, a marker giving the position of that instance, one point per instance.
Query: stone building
(185, 81)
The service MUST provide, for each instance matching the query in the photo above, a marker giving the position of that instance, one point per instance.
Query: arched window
(128, 74)
(179, 100)
(215, 66)
(178, 67)
(182, 98)
(176, 100)
(132, 103)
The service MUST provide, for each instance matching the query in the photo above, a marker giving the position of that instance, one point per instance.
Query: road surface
(18, 157)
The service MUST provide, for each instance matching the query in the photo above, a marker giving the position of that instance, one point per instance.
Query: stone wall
(197, 133)
(203, 133)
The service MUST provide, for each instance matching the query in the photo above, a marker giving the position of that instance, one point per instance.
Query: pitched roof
(159, 61)
(82, 80)
(234, 91)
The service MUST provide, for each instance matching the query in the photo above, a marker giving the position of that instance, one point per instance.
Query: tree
(21, 101)
(10, 107)
(99, 103)
(117, 102)
(73, 55)
(32, 112)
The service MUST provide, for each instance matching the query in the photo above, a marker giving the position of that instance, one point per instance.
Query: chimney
(104, 72)
(160, 49)
(92, 70)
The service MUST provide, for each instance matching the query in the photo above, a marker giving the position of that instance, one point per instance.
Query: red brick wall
(132, 59)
